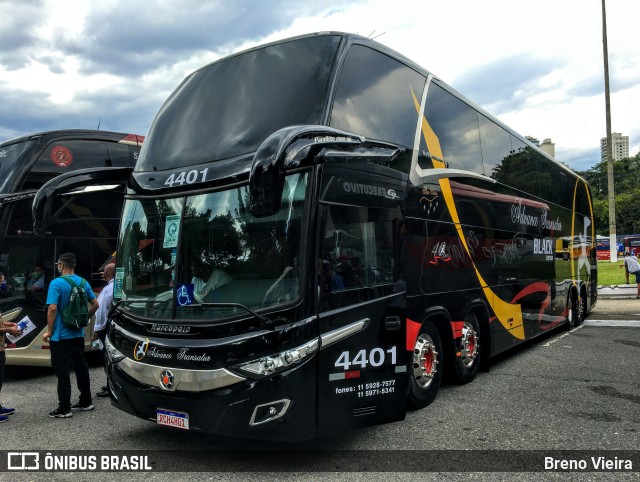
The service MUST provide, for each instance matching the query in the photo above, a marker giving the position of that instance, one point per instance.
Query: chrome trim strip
(11, 314)
(415, 169)
(341, 333)
(344, 309)
(184, 380)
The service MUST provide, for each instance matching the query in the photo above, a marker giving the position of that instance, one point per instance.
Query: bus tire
(582, 306)
(466, 359)
(574, 315)
(426, 367)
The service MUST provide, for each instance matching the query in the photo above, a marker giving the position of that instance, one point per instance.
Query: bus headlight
(113, 353)
(278, 362)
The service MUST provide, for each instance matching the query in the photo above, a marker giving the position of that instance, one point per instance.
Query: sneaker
(103, 393)
(3, 418)
(59, 413)
(86, 407)
(7, 411)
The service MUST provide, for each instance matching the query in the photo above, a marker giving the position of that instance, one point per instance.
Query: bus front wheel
(426, 367)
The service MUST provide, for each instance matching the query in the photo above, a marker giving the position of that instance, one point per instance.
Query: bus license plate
(171, 418)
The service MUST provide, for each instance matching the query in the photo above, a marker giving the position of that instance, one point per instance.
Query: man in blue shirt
(67, 343)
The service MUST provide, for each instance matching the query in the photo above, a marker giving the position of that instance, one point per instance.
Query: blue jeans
(2, 361)
(64, 354)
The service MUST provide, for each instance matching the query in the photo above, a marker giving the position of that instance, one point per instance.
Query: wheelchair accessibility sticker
(184, 294)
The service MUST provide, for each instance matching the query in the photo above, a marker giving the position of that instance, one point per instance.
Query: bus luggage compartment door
(362, 374)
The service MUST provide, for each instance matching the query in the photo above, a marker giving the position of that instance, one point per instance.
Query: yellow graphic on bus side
(509, 315)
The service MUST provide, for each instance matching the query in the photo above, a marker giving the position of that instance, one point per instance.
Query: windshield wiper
(119, 302)
(266, 322)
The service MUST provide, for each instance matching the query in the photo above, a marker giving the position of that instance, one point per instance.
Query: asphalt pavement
(616, 304)
(573, 390)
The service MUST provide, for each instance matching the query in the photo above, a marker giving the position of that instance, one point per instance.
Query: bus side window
(455, 124)
(357, 250)
(62, 156)
(375, 97)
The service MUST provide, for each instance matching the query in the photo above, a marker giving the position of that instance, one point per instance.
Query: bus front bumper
(280, 408)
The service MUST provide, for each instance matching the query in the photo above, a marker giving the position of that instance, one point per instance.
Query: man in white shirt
(206, 278)
(100, 328)
(632, 267)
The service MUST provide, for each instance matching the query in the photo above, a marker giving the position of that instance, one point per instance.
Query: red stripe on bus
(456, 327)
(132, 139)
(413, 328)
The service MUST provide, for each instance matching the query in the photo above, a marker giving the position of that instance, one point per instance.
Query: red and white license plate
(171, 418)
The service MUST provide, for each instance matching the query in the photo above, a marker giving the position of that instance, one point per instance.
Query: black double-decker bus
(318, 229)
(84, 221)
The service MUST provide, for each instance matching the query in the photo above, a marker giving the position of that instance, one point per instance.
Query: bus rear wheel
(426, 367)
(466, 359)
(574, 317)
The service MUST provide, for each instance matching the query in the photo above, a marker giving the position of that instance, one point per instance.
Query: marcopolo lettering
(369, 190)
(173, 329)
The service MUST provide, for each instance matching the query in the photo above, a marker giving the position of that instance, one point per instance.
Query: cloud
(506, 84)
(18, 31)
(68, 64)
(131, 41)
(579, 159)
(73, 64)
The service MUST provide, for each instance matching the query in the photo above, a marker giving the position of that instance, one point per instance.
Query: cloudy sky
(537, 66)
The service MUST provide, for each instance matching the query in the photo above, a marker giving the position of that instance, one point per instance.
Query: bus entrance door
(362, 362)
(362, 366)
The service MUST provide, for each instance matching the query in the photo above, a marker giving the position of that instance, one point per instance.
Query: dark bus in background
(83, 221)
(317, 230)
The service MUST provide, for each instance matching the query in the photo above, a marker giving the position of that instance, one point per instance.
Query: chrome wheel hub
(470, 345)
(425, 361)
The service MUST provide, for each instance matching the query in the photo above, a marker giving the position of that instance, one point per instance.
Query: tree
(626, 175)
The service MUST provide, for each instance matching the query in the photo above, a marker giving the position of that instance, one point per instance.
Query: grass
(610, 273)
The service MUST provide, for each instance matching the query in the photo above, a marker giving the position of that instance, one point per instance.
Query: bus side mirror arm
(294, 146)
(285, 148)
(43, 200)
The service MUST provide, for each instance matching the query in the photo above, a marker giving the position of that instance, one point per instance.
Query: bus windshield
(228, 108)
(182, 258)
(9, 156)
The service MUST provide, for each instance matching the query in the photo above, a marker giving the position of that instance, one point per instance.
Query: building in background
(620, 147)
(547, 146)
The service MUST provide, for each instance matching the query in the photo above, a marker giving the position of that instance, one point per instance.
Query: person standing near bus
(36, 280)
(100, 328)
(12, 329)
(632, 266)
(66, 343)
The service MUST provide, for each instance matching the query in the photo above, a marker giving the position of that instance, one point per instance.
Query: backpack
(76, 313)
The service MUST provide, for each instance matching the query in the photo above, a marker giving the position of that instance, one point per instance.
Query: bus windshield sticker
(117, 284)
(184, 294)
(171, 231)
